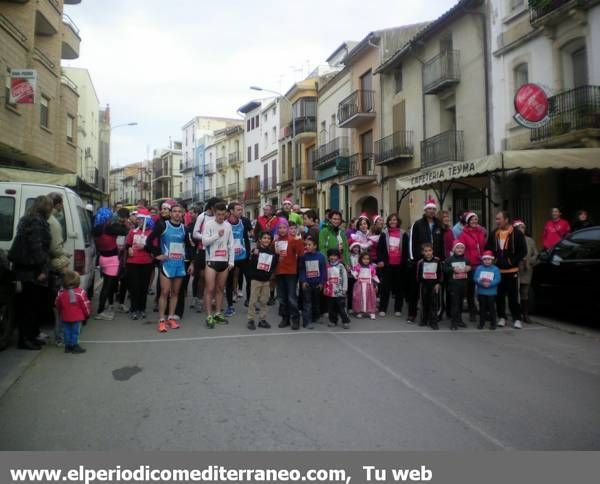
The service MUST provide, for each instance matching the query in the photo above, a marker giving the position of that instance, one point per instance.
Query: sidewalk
(13, 364)
(571, 328)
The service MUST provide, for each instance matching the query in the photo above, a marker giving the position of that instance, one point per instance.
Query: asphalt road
(382, 384)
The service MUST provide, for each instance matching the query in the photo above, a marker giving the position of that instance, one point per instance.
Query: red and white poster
(531, 106)
(23, 86)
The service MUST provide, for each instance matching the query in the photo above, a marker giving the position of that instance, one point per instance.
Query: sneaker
(382, 314)
(433, 325)
(105, 316)
(193, 302)
(68, 349)
(240, 294)
(122, 308)
(219, 318)
(346, 325)
(172, 323)
(210, 322)
(517, 324)
(372, 316)
(359, 315)
(42, 336)
(411, 320)
(271, 301)
(198, 305)
(162, 326)
(310, 326)
(135, 316)
(263, 324)
(296, 325)
(230, 311)
(246, 302)
(59, 343)
(462, 324)
(142, 315)
(77, 350)
(501, 322)
(331, 324)
(251, 325)
(398, 314)
(480, 326)
(283, 324)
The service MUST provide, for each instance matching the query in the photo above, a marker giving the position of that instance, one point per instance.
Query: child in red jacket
(73, 308)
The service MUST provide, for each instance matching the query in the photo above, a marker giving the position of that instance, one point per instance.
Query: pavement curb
(16, 373)
(567, 328)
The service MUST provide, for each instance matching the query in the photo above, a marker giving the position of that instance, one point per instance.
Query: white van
(17, 197)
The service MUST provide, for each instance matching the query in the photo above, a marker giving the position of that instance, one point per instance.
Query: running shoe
(219, 318)
(162, 326)
(210, 322)
(173, 324)
(105, 316)
(230, 311)
(263, 324)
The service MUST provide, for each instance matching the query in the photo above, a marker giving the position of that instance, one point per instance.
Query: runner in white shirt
(217, 239)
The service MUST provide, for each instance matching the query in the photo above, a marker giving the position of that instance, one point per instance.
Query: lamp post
(283, 96)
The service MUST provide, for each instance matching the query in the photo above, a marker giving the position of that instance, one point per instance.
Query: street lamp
(294, 161)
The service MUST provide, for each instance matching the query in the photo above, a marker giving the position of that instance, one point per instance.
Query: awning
(32, 176)
(569, 158)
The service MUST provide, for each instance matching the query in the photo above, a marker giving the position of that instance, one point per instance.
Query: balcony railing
(540, 8)
(325, 155)
(234, 158)
(69, 21)
(441, 72)
(307, 124)
(220, 192)
(252, 191)
(222, 163)
(158, 172)
(359, 102)
(446, 146)
(12, 29)
(43, 58)
(570, 111)
(394, 146)
(187, 165)
(361, 165)
(232, 189)
(67, 81)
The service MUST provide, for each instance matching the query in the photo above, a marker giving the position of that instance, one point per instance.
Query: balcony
(70, 39)
(446, 146)
(72, 2)
(361, 169)
(220, 192)
(553, 12)
(208, 193)
(12, 29)
(186, 195)
(305, 128)
(252, 192)
(356, 109)
(67, 81)
(161, 173)
(396, 146)
(47, 17)
(574, 116)
(222, 163)
(232, 189)
(441, 72)
(41, 57)
(187, 166)
(327, 155)
(234, 159)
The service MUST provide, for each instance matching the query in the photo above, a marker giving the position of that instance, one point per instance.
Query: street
(382, 384)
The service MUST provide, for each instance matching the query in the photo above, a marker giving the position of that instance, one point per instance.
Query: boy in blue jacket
(312, 275)
(487, 277)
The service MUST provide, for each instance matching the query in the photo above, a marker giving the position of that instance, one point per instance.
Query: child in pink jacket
(73, 308)
(364, 296)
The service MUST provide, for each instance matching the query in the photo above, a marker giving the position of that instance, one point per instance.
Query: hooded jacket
(331, 238)
(30, 250)
(509, 256)
(421, 233)
(474, 240)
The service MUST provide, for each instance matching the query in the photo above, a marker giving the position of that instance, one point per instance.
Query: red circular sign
(531, 103)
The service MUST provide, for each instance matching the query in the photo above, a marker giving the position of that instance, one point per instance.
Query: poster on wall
(23, 86)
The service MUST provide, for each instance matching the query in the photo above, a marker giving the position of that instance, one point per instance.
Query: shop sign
(447, 172)
(531, 106)
(23, 86)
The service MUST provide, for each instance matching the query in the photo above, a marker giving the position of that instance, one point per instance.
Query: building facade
(43, 136)
(269, 155)
(167, 181)
(254, 146)
(227, 152)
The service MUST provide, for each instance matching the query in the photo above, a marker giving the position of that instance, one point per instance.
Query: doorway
(369, 205)
(334, 197)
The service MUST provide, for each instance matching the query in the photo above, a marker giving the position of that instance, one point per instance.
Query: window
(70, 127)
(257, 118)
(256, 151)
(274, 111)
(581, 246)
(7, 217)
(249, 154)
(266, 145)
(248, 125)
(252, 123)
(86, 225)
(579, 61)
(398, 79)
(265, 116)
(274, 134)
(521, 75)
(44, 111)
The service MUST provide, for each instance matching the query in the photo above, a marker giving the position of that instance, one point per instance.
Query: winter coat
(383, 247)
(474, 239)
(492, 290)
(554, 231)
(530, 260)
(420, 233)
(331, 238)
(509, 257)
(58, 256)
(30, 250)
(73, 305)
(448, 241)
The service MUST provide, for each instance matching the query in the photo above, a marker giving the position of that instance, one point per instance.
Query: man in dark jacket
(428, 229)
(509, 248)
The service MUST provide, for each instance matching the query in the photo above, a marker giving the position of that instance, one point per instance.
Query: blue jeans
(310, 304)
(71, 333)
(288, 297)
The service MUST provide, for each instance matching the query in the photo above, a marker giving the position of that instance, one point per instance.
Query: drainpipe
(381, 168)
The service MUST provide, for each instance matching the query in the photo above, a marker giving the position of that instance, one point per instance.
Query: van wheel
(6, 325)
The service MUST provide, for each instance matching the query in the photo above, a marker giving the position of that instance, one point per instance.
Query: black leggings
(109, 287)
(138, 281)
(392, 281)
(30, 309)
(243, 268)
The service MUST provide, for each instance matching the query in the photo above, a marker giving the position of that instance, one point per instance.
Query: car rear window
(86, 226)
(7, 217)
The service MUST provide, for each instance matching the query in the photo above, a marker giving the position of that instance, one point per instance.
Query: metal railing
(541, 8)
(12, 29)
(209, 169)
(325, 155)
(67, 81)
(221, 163)
(446, 146)
(442, 69)
(187, 165)
(306, 124)
(69, 21)
(394, 146)
(234, 158)
(43, 58)
(361, 164)
(571, 110)
(360, 101)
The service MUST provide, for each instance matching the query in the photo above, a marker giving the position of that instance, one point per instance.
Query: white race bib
(486, 276)
(237, 246)
(120, 241)
(395, 242)
(312, 269)
(176, 250)
(282, 246)
(459, 265)
(364, 275)
(333, 275)
(430, 270)
(264, 261)
(139, 241)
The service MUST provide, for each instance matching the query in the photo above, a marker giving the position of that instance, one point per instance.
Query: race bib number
(176, 251)
(395, 242)
(220, 253)
(430, 270)
(461, 266)
(282, 246)
(486, 276)
(312, 269)
(237, 246)
(264, 262)
(364, 274)
(333, 276)
(139, 241)
(120, 241)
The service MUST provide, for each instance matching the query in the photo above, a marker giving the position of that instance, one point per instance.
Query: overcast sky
(159, 63)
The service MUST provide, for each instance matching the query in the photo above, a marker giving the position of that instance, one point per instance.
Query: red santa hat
(169, 203)
(488, 254)
(354, 244)
(376, 218)
(518, 222)
(468, 216)
(457, 243)
(142, 212)
(288, 200)
(430, 204)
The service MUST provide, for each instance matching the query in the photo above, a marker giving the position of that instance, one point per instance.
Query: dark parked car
(566, 281)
